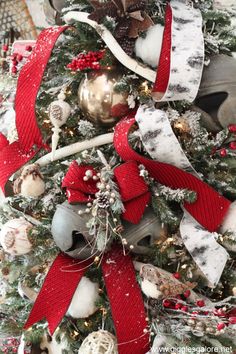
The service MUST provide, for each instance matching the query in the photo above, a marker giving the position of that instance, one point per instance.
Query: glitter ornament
(14, 237)
(58, 111)
(100, 342)
(98, 100)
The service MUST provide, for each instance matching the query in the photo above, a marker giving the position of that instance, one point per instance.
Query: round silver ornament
(217, 93)
(14, 237)
(98, 100)
(72, 236)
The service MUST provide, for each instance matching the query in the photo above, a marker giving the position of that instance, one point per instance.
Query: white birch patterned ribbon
(161, 143)
(182, 55)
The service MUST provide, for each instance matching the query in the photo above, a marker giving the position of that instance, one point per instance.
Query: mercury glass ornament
(98, 100)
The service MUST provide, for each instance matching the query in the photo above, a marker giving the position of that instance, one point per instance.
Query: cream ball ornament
(100, 342)
(14, 237)
(83, 303)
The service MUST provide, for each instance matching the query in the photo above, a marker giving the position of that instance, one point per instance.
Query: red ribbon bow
(132, 187)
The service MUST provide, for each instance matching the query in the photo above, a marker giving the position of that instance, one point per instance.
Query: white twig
(112, 44)
(75, 148)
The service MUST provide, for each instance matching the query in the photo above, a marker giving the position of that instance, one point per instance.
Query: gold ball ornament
(98, 100)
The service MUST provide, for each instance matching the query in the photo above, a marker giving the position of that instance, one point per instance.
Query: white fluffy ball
(229, 224)
(84, 299)
(149, 48)
(14, 237)
(150, 289)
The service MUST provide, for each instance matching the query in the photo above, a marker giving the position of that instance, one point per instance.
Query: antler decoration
(130, 16)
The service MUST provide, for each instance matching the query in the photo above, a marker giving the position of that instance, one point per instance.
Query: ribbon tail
(126, 302)
(57, 291)
(203, 247)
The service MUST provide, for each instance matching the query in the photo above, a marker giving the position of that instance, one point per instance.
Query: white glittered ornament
(229, 225)
(59, 111)
(14, 237)
(83, 303)
(149, 48)
(100, 342)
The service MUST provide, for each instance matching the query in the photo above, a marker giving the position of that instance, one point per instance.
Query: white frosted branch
(112, 44)
(76, 147)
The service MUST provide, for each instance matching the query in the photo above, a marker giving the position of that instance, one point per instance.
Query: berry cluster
(10, 345)
(232, 145)
(17, 58)
(87, 61)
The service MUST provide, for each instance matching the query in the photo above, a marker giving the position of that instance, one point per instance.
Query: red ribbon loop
(17, 154)
(210, 207)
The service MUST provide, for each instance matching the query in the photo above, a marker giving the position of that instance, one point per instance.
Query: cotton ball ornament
(30, 183)
(149, 48)
(100, 342)
(229, 225)
(84, 299)
(14, 237)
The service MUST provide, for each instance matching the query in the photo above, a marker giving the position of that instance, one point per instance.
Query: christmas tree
(118, 232)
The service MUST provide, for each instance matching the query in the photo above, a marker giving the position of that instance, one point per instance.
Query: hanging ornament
(30, 183)
(98, 100)
(14, 237)
(158, 285)
(83, 303)
(58, 111)
(100, 342)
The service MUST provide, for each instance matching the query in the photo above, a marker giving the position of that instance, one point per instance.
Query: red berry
(177, 275)
(184, 308)
(232, 145)
(223, 152)
(19, 57)
(220, 326)
(14, 62)
(178, 306)
(200, 303)
(28, 48)
(14, 70)
(187, 293)
(167, 303)
(232, 320)
(5, 47)
(232, 128)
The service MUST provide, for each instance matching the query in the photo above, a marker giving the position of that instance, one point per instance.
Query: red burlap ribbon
(132, 187)
(15, 155)
(123, 291)
(210, 207)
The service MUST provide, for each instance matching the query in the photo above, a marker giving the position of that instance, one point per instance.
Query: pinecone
(103, 201)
